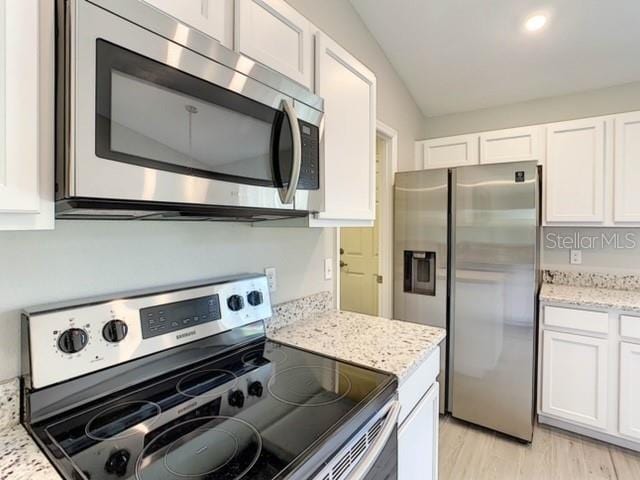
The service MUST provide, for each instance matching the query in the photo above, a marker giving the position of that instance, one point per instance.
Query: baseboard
(604, 437)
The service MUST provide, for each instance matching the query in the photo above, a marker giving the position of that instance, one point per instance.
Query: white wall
(396, 107)
(622, 98)
(83, 258)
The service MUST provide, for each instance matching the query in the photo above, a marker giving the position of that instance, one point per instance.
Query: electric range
(182, 383)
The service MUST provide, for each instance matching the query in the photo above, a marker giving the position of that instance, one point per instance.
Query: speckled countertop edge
(591, 297)
(21, 458)
(390, 345)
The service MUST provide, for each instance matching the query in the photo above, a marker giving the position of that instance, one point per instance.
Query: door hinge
(379, 278)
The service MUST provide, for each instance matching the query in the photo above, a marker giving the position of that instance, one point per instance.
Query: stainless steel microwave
(156, 120)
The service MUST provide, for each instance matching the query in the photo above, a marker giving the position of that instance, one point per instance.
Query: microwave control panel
(310, 170)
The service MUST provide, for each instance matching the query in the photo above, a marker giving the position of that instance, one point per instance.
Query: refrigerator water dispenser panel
(420, 272)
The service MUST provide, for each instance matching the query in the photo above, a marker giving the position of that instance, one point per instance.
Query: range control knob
(73, 340)
(235, 303)
(114, 331)
(236, 399)
(117, 463)
(255, 389)
(255, 298)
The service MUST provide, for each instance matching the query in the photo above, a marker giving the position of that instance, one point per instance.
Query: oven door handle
(287, 194)
(365, 464)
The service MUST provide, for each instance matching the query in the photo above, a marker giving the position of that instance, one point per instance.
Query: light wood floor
(472, 453)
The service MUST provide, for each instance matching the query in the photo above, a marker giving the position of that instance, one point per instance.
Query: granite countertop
(20, 457)
(591, 297)
(390, 345)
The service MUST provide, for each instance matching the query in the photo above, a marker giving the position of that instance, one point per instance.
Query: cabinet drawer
(630, 326)
(585, 320)
(413, 388)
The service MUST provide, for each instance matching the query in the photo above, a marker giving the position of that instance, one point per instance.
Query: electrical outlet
(328, 268)
(272, 280)
(576, 257)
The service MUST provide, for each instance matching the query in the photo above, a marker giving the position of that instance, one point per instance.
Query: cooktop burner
(115, 422)
(302, 386)
(214, 447)
(242, 415)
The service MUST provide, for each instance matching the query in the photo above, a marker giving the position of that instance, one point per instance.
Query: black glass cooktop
(256, 413)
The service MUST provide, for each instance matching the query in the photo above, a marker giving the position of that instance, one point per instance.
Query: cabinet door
(512, 145)
(630, 390)
(575, 166)
(450, 151)
(26, 115)
(574, 378)
(274, 34)
(212, 17)
(627, 168)
(349, 92)
(418, 440)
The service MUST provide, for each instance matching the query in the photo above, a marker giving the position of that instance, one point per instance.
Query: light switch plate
(576, 257)
(328, 268)
(272, 279)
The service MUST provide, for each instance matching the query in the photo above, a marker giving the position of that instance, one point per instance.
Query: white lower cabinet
(574, 384)
(418, 439)
(630, 390)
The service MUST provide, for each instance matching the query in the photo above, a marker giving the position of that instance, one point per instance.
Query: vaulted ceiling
(462, 55)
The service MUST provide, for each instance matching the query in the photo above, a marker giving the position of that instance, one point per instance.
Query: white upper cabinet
(212, 17)
(349, 92)
(575, 172)
(274, 34)
(511, 145)
(627, 168)
(449, 151)
(26, 119)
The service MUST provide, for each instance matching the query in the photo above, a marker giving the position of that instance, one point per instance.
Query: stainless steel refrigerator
(466, 259)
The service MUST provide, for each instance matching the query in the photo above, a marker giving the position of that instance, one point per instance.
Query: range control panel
(168, 318)
(65, 342)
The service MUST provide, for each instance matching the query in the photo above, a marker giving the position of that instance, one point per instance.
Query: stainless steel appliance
(486, 219)
(156, 120)
(182, 383)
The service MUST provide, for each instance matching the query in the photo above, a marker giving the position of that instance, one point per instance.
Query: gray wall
(603, 257)
(80, 259)
(623, 98)
(396, 107)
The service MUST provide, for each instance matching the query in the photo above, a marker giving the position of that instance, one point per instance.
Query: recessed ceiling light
(535, 23)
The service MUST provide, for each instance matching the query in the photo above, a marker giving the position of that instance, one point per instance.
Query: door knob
(343, 264)
(341, 251)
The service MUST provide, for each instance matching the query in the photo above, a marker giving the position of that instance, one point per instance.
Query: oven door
(151, 120)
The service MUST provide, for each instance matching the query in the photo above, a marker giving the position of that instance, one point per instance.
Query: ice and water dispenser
(420, 272)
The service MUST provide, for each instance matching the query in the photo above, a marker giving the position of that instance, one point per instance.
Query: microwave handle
(287, 194)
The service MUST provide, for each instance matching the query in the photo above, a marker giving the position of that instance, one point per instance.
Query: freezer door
(420, 252)
(493, 311)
